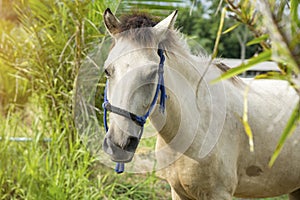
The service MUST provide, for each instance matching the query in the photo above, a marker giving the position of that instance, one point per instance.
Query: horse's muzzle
(116, 153)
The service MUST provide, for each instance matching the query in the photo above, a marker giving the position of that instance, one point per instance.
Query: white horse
(202, 148)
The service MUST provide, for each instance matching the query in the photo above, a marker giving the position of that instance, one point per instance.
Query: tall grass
(39, 60)
(13, 86)
(62, 169)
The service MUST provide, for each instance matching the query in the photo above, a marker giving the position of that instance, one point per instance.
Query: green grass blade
(288, 131)
(231, 28)
(272, 75)
(215, 51)
(295, 22)
(264, 56)
(245, 121)
(258, 40)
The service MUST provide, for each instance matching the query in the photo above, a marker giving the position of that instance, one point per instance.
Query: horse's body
(230, 168)
(202, 148)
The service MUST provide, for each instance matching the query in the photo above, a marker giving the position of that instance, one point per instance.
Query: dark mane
(137, 20)
(137, 27)
(224, 68)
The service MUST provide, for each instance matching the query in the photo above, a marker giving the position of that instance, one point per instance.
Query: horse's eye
(107, 74)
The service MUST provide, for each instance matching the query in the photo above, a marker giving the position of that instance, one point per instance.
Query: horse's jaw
(116, 153)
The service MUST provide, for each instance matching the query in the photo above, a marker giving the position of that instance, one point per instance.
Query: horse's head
(132, 70)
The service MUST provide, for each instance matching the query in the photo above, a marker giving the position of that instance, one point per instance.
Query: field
(61, 169)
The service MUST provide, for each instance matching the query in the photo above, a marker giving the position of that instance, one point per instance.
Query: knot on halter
(139, 120)
(161, 83)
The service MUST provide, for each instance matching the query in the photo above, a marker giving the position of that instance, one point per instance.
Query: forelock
(137, 20)
(137, 27)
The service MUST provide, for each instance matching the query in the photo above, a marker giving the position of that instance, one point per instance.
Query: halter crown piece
(139, 120)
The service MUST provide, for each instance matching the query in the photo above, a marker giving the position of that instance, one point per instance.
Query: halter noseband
(139, 120)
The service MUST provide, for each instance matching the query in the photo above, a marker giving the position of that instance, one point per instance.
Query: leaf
(272, 75)
(249, 134)
(295, 22)
(258, 40)
(159, 8)
(245, 121)
(215, 51)
(264, 56)
(231, 28)
(152, 6)
(288, 131)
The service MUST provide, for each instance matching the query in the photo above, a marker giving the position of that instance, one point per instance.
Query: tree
(199, 21)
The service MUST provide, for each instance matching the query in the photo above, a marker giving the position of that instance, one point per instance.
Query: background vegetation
(44, 43)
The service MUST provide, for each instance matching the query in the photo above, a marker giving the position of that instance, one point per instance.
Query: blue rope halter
(139, 120)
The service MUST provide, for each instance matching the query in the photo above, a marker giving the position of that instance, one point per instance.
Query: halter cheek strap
(139, 120)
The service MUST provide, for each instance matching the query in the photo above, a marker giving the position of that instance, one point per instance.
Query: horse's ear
(111, 22)
(167, 23)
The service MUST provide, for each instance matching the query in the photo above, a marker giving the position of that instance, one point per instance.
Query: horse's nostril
(132, 143)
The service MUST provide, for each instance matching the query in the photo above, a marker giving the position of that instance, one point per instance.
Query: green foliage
(268, 22)
(291, 125)
(196, 20)
(6, 10)
(156, 7)
(266, 55)
(63, 169)
(39, 62)
(48, 47)
(14, 89)
(202, 24)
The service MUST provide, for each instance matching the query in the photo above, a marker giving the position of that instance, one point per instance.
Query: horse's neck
(191, 98)
(183, 81)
